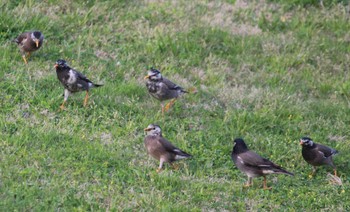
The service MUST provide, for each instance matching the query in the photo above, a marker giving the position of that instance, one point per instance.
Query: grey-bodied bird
(317, 154)
(73, 81)
(252, 164)
(160, 148)
(162, 89)
(29, 42)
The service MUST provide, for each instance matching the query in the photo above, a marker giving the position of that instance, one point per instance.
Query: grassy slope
(265, 71)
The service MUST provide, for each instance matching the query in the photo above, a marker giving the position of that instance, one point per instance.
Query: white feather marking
(72, 78)
(80, 85)
(90, 85)
(240, 160)
(178, 157)
(267, 171)
(322, 154)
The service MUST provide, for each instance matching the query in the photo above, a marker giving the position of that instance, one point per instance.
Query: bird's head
(239, 146)
(61, 64)
(306, 141)
(153, 74)
(36, 36)
(153, 129)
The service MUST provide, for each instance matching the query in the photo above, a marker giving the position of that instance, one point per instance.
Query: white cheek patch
(72, 78)
(80, 85)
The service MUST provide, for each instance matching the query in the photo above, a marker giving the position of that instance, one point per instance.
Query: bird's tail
(97, 85)
(181, 154)
(282, 171)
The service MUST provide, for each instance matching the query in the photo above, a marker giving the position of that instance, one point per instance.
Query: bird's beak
(301, 143)
(37, 43)
(56, 65)
(146, 77)
(147, 129)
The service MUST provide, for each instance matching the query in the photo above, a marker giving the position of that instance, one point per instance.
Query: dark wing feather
(21, 37)
(251, 158)
(172, 86)
(81, 76)
(169, 147)
(327, 151)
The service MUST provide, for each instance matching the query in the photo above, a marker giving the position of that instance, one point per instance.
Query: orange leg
(168, 106)
(249, 182)
(335, 172)
(265, 184)
(86, 98)
(24, 58)
(62, 105)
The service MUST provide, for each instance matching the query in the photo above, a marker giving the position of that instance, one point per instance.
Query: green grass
(268, 71)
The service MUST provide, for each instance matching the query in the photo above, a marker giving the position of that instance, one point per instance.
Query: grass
(268, 71)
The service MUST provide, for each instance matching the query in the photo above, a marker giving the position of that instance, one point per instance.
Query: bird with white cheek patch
(252, 164)
(73, 81)
(317, 154)
(160, 148)
(162, 89)
(29, 42)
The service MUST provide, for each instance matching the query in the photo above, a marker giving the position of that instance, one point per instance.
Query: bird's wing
(251, 158)
(81, 76)
(169, 147)
(326, 151)
(21, 37)
(171, 85)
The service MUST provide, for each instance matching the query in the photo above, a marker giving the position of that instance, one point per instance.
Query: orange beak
(147, 129)
(55, 65)
(146, 77)
(37, 43)
(301, 143)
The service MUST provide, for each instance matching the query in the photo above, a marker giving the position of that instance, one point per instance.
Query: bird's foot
(158, 170)
(25, 60)
(267, 188)
(247, 185)
(169, 104)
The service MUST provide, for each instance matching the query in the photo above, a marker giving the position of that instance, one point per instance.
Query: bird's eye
(154, 128)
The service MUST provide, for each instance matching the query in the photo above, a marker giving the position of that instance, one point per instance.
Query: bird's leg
(160, 165)
(66, 95)
(249, 182)
(265, 184)
(28, 55)
(24, 58)
(335, 172)
(161, 104)
(313, 171)
(62, 105)
(169, 104)
(86, 98)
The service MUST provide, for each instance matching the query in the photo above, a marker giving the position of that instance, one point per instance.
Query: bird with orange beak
(29, 42)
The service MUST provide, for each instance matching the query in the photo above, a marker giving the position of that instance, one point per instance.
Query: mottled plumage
(317, 154)
(160, 148)
(29, 42)
(162, 89)
(252, 164)
(73, 81)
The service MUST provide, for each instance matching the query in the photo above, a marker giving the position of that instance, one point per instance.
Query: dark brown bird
(73, 81)
(252, 164)
(160, 148)
(317, 154)
(163, 89)
(29, 42)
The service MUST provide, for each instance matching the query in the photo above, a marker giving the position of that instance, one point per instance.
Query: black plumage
(73, 81)
(29, 42)
(317, 154)
(162, 89)
(160, 148)
(252, 164)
